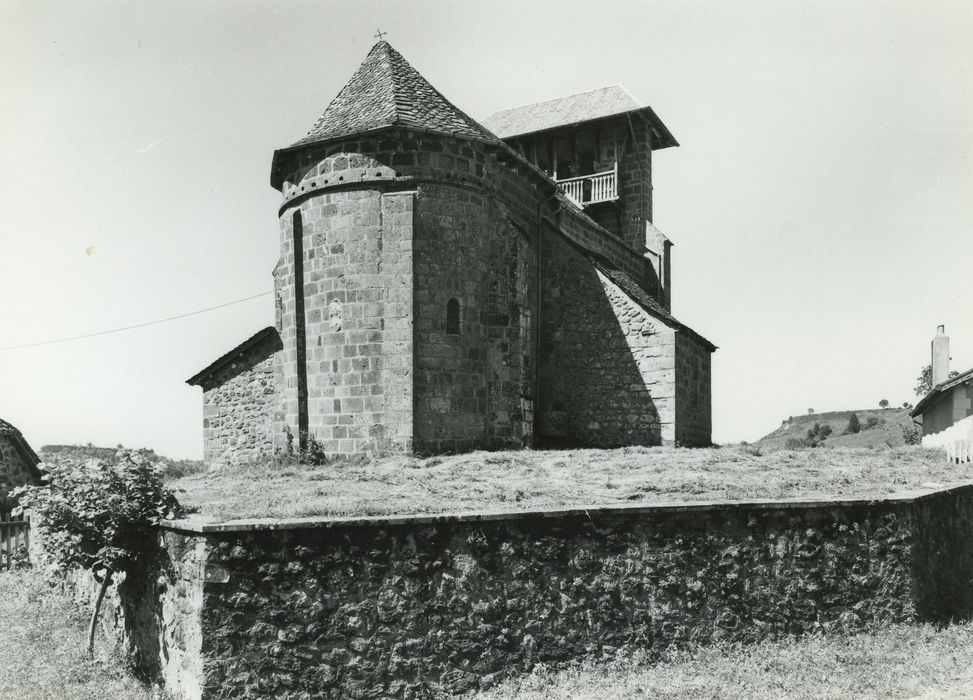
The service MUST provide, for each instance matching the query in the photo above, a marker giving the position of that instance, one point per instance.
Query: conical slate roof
(387, 91)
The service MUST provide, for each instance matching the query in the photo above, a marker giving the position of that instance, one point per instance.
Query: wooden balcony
(592, 189)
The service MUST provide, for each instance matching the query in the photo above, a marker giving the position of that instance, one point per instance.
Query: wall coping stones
(204, 525)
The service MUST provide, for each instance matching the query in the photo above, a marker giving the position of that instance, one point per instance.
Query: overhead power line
(137, 325)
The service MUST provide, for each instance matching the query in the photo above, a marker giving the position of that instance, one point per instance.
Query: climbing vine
(99, 516)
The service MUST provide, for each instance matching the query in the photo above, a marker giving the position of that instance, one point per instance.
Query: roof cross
(379, 34)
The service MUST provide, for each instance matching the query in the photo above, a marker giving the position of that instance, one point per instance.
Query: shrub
(854, 424)
(312, 453)
(100, 516)
(872, 422)
(814, 438)
(912, 434)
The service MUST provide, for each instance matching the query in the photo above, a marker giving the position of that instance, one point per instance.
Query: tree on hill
(884, 403)
(810, 411)
(815, 436)
(854, 424)
(924, 380)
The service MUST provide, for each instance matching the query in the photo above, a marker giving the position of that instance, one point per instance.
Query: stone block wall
(355, 334)
(694, 415)
(413, 606)
(452, 262)
(607, 368)
(242, 410)
(368, 364)
(471, 384)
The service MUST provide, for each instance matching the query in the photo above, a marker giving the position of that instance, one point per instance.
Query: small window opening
(452, 317)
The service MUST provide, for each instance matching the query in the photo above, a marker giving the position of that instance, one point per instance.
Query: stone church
(445, 285)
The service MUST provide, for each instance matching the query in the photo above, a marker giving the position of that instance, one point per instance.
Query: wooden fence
(956, 440)
(959, 451)
(14, 534)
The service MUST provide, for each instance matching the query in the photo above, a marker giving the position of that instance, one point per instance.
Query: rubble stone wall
(410, 607)
(14, 471)
(415, 606)
(607, 367)
(242, 408)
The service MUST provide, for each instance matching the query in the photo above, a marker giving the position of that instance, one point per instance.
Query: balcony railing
(591, 189)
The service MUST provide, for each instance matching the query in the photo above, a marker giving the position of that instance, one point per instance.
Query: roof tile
(387, 91)
(573, 109)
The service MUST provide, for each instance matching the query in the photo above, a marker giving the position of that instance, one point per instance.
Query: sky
(820, 202)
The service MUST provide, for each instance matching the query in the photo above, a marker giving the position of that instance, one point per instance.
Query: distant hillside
(90, 451)
(888, 431)
(174, 468)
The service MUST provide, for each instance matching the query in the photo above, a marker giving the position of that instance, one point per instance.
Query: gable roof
(624, 282)
(610, 101)
(387, 91)
(28, 454)
(939, 389)
(241, 350)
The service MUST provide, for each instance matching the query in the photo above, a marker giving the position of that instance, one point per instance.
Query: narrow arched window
(452, 317)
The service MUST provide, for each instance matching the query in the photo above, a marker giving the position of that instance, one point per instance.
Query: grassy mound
(530, 480)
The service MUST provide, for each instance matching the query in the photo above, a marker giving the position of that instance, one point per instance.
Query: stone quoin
(445, 287)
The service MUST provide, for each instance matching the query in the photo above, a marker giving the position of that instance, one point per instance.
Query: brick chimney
(940, 356)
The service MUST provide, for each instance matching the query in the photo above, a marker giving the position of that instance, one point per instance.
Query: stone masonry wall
(153, 615)
(607, 367)
(470, 386)
(242, 408)
(357, 287)
(383, 375)
(401, 157)
(944, 558)
(452, 261)
(14, 471)
(410, 607)
(633, 209)
(694, 422)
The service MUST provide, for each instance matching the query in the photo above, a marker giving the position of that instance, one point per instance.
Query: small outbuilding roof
(610, 101)
(28, 454)
(241, 350)
(941, 389)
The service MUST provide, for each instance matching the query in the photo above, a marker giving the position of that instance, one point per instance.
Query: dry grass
(42, 640)
(539, 479)
(902, 661)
